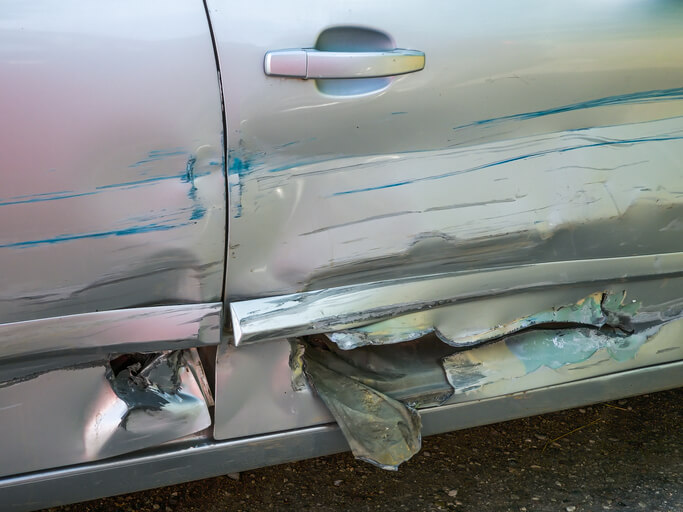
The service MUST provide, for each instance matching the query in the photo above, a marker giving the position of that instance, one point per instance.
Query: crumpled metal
(378, 428)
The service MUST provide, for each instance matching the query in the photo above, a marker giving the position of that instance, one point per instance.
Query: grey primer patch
(374, 391)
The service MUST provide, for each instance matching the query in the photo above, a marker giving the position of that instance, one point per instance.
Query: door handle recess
(309, 63)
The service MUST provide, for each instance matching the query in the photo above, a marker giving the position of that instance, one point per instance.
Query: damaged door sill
(375, 391)
(203, 459)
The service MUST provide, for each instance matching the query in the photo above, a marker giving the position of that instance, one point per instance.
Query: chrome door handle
(309, 63)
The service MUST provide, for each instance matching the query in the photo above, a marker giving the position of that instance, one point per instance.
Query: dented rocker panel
(35, 346)
(94, 414)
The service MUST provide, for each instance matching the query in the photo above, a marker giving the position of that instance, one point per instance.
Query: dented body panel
(94, 414)
(537, 132)
(497, 201)
(113, 190)
(215, 266)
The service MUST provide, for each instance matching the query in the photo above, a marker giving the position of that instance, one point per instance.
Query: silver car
(234, 235)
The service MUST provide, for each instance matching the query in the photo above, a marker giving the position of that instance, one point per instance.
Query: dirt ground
(623, 456)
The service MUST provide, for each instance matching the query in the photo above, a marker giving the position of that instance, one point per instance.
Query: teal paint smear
(562, 347)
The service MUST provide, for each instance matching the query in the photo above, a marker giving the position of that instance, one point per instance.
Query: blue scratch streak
(102, 234)
(636, 97)
(506, 161)
(47, 198)
(156, 155)
(198, 212)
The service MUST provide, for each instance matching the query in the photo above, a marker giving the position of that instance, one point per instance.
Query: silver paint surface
(254, 392)
(111, 158)
(538, 131)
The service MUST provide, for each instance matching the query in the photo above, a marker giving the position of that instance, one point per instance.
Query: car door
(538, 152)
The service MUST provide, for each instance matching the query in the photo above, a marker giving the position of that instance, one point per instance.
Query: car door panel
(112, 191)
(521, 128)
(535, 160)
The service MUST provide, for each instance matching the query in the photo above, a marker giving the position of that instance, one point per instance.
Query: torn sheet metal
(539, 358)
(378, 428)
(350, 307)
(599, 334)
(594, 310)
(99, 411)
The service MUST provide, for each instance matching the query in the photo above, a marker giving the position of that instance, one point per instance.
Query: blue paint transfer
(287, 144)
(239, 166)
(554, 349)
(621, 99)
(51, 196)
(507, 161)
(189, 172)
(398, 113)
(157, 155)
(138, 182)
(135, 230)
(198, 212)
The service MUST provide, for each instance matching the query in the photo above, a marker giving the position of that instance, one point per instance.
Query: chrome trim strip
(345, 307)
(196, 460)
(123, 330)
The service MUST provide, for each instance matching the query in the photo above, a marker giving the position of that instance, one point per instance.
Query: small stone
(453, 493)
(156, 506)
(535, 466)
(570, 508)
(234, 476)
(582, 411)
(541, 437)
(427, 454)
(174, 494)
(337, 483)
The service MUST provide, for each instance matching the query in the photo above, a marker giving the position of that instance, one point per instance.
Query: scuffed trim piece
(347, 307)
(125, 330)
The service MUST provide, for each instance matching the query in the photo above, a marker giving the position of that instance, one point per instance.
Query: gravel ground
(624, 456)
